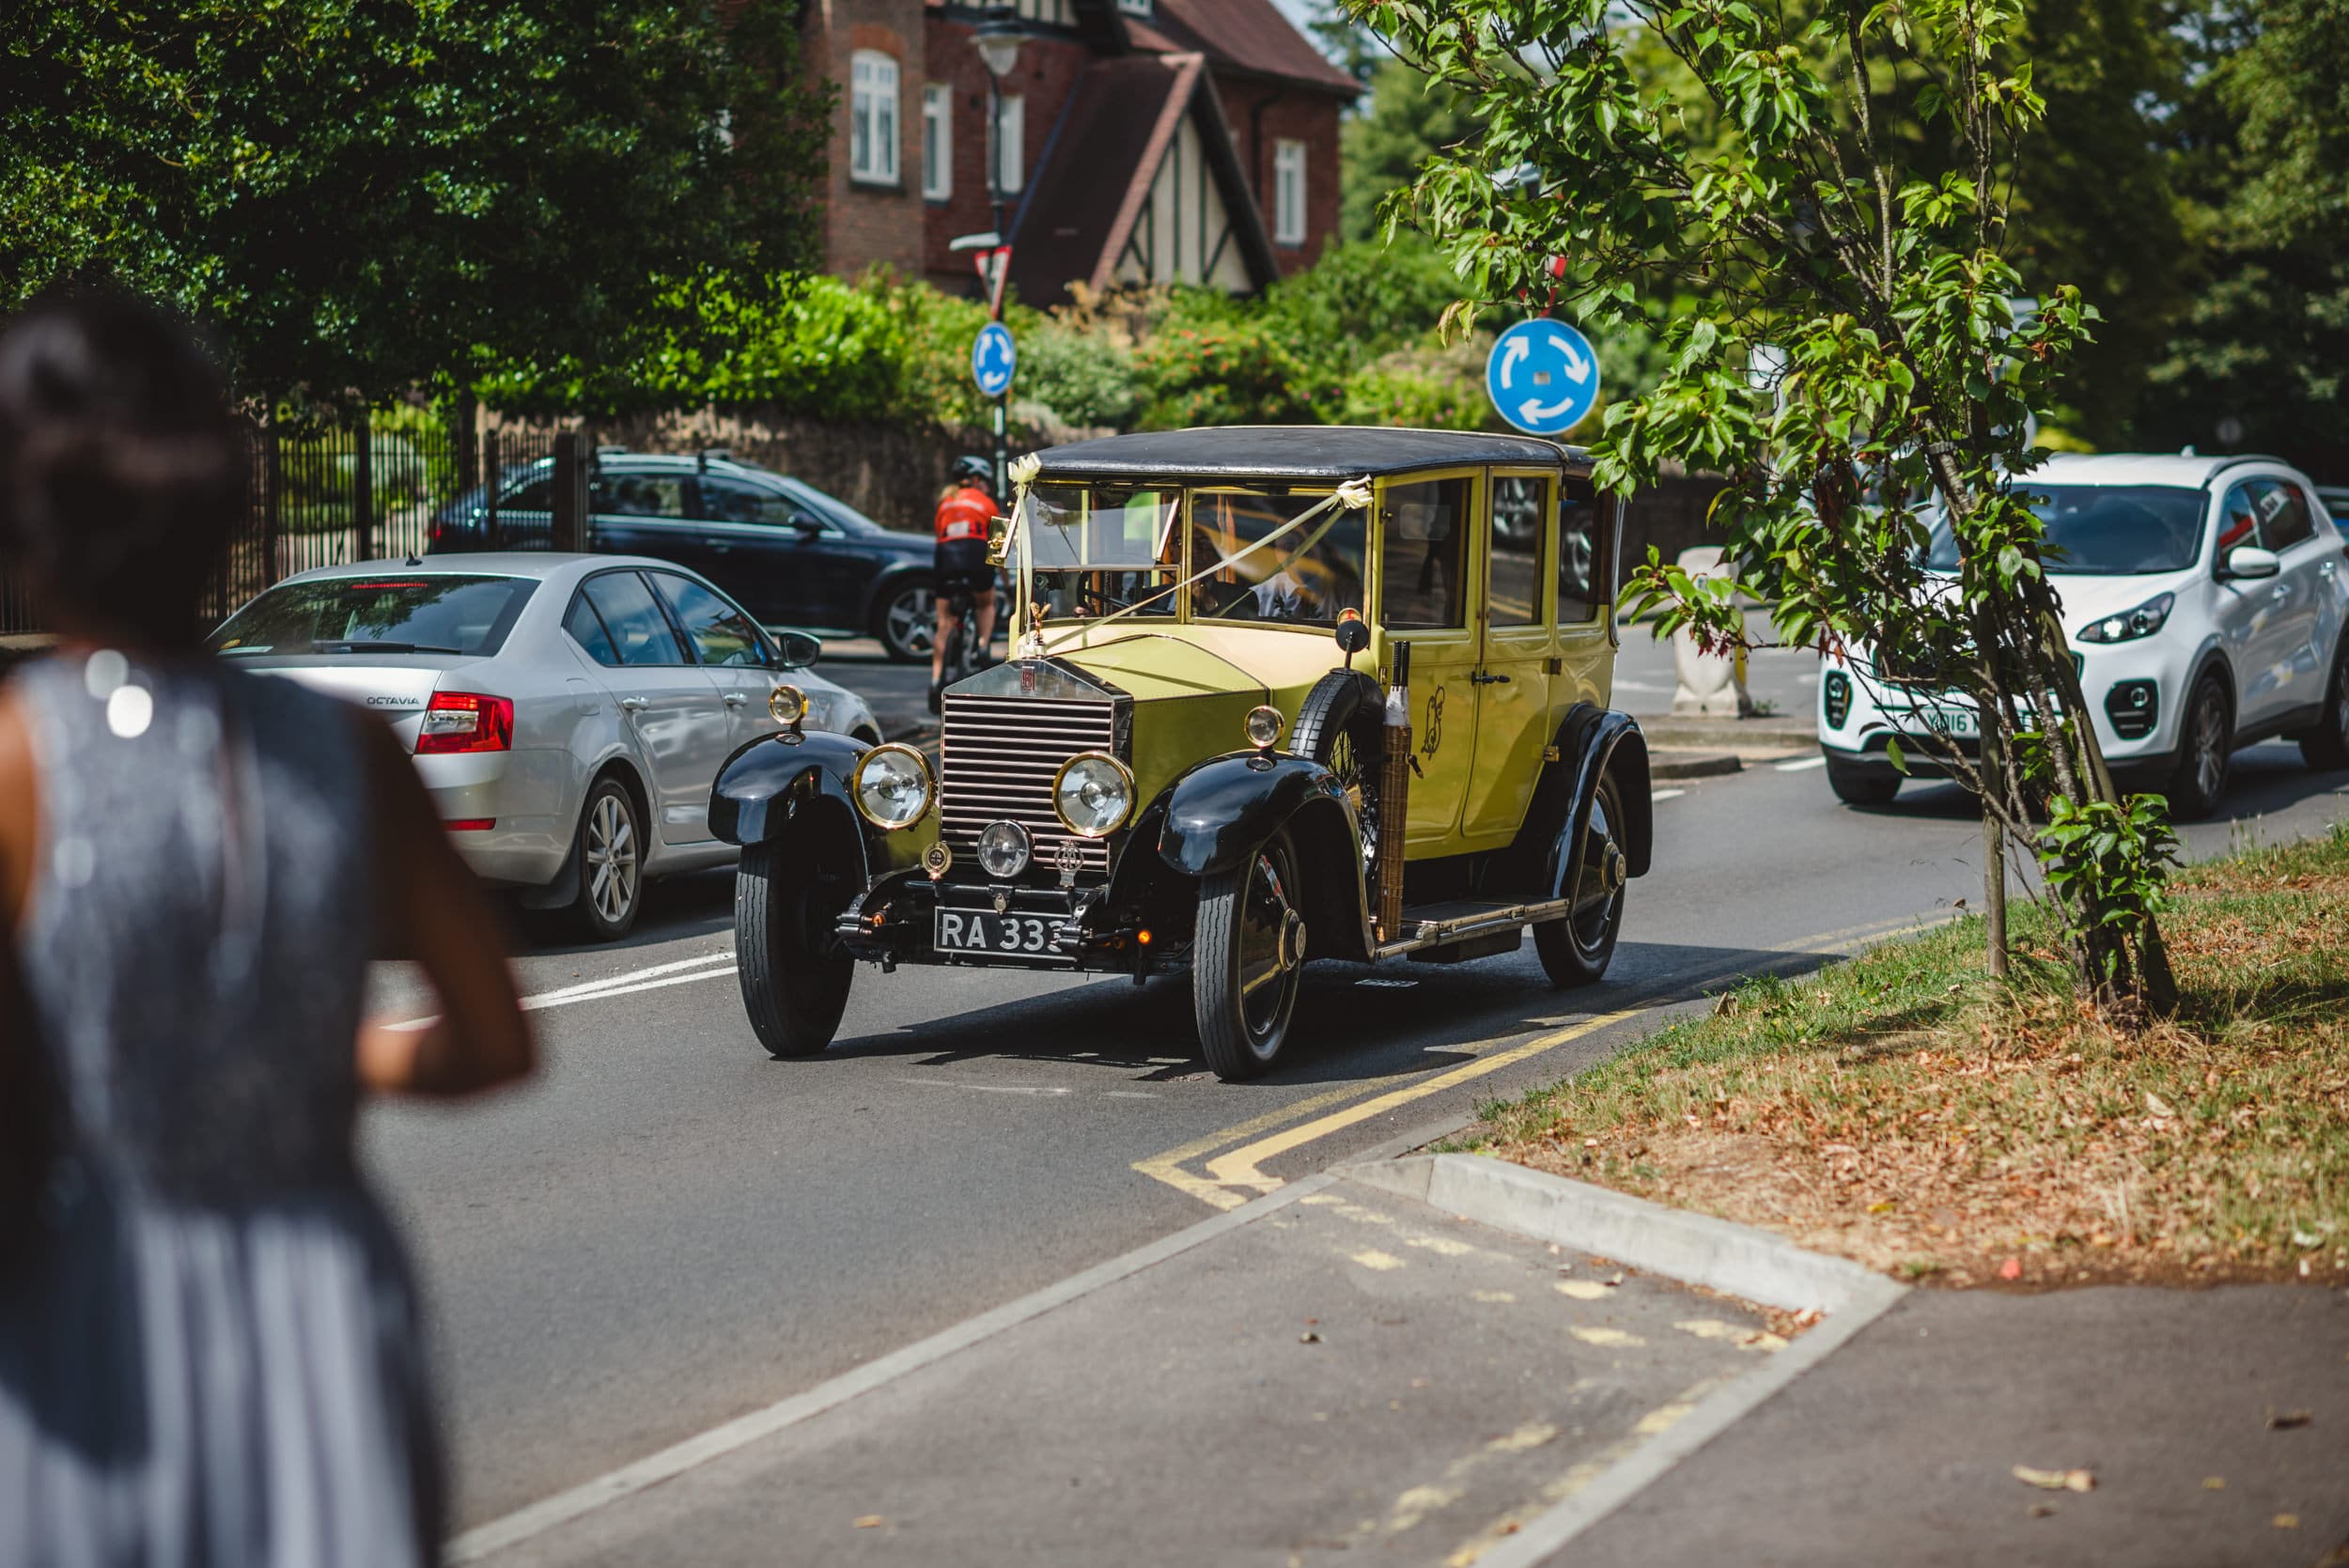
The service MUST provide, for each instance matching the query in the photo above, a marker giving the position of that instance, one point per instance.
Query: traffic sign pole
(994, 358)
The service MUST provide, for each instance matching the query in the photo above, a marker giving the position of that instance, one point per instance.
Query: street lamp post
(998, 40)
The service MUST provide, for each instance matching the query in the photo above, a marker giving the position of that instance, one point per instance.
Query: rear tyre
(906, 622)
(794, 972)
(611, 853)
(1862, 786)
(2205, 746)
(1575, 950)
(1247, 958)
(2326, 747)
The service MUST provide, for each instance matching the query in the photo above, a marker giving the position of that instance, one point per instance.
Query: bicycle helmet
(978, 471)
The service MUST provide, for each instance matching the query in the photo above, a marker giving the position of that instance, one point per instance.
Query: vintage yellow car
(1276, 694)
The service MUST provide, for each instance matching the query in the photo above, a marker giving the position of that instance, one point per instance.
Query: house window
(1011, 144)
(1288, 193)
(938, 163)
(873, 118)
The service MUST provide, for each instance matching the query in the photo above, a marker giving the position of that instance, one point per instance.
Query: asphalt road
(667, 1228)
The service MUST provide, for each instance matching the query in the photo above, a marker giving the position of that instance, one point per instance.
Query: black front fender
(1223, 809)
(769, 782)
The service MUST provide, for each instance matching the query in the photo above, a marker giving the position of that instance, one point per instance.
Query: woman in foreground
(209, 1337)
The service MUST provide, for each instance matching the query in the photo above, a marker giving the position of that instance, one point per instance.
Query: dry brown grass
(1901, 1110)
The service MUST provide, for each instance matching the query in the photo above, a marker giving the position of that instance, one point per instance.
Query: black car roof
(1299, 452)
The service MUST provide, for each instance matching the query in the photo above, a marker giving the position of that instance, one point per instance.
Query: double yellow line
(1232, 1179)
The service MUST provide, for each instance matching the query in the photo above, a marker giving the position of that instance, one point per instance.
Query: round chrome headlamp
(1094, 794)
(1263, 726)
(1003, 849)
(788, 703)
(893, 786)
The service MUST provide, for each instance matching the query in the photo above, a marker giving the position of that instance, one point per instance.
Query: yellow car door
(1515, 537)
(1427, 529)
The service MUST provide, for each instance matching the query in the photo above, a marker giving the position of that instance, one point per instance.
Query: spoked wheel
(788, 896)
(611, 863)
(2326, 745)
(1575, 949)
(2203, 752)
(1248, 960)
(909, 623)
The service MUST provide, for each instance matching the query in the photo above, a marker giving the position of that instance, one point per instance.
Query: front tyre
(2204, 751)
(1862, 786)
(1248, 958)
(2326, 748)
(1577, 949)
(793, 970)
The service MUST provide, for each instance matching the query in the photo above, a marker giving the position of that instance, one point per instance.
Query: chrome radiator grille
(997, 756)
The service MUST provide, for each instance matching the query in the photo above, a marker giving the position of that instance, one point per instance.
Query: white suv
(2203, 599)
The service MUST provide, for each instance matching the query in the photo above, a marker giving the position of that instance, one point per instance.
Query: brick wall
(866, 224)
(1263, 114)
(1045, 77)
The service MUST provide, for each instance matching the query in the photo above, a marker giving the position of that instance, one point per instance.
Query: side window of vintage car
(1422, 555)
(1521, 516)
(1584, 552)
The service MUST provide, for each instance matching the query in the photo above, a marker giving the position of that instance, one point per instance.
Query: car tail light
(466, 722)
(470, 824)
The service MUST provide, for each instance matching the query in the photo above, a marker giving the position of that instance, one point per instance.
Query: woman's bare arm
(430, 908)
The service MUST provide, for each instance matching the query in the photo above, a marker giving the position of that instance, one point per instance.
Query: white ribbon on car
(1354, 495)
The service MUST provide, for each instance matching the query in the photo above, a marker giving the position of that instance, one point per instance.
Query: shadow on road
(1355, 1023)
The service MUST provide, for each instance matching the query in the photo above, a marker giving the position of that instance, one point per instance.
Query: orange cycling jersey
(965, 514)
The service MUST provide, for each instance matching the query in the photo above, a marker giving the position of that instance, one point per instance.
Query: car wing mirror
(2249, 563)
(797, 650)
(807, 524)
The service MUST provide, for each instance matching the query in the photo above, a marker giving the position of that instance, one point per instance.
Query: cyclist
(962, 572)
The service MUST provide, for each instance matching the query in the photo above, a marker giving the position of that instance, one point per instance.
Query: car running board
(1469, 922)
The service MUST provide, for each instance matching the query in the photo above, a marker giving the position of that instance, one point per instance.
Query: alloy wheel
(611, 860)
(909, 624)
(2210, 747)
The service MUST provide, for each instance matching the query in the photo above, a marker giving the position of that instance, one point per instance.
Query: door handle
(633, 705)
(736, 699)
(1481, 678)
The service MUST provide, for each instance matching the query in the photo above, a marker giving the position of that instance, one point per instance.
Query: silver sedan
(567, 713)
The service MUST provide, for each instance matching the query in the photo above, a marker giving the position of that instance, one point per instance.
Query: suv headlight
(2127, 627)
(893, 786)
(1094, 794)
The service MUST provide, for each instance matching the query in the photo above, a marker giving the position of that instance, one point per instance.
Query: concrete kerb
(1664, 763)
(1694, 1249)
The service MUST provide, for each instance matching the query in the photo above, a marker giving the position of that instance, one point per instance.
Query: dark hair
(122, 468)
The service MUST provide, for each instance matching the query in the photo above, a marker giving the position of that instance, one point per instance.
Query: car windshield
(2103, 530)
(1100, 548)
(421, 614)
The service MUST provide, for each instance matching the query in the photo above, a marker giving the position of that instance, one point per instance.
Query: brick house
(1144, 141)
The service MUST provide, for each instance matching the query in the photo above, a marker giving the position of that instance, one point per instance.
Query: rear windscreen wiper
(380, 647)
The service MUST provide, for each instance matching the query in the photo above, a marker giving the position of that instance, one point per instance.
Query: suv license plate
(981, 931)
(1955, 723)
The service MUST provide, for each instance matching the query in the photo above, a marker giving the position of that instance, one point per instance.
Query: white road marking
(1666, 793)
(1801, 764)
(988, 1088)
(649, 979)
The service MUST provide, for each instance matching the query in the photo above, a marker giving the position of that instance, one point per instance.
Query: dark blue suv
(791, 554)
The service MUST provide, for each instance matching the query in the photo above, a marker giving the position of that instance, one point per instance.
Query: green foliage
(2119, 851)
(1230, 372)
(1831, 185)
(1362, 300)
(1407, 119)
(1085, 379)
(364, 195)
(1429, 389)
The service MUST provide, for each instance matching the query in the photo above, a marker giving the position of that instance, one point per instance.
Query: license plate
(1955, 723)
(981, 931)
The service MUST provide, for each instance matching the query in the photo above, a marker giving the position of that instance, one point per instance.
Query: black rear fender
(1593, 743)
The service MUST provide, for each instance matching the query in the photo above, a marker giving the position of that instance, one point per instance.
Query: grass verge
(1902, 1110)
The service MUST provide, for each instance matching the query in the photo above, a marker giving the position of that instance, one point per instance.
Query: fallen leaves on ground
(2056, 1480)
